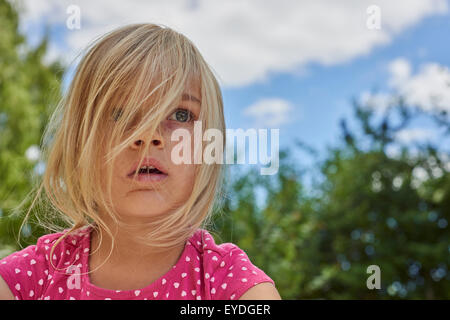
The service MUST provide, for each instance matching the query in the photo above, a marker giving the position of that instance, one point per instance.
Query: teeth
(147, 167)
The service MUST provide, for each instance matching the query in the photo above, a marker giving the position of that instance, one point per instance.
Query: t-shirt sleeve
(236, 274)
(25, 271)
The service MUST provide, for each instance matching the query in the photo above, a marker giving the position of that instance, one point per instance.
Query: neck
(127, 264)
(126, 250)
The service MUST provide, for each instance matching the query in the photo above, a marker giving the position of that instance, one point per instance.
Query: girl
(136, 217)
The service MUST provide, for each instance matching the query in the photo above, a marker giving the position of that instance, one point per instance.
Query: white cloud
(428, 89)
(244, 40)
(400, 70)
(379, 101)
(270, 112)
(414, 135)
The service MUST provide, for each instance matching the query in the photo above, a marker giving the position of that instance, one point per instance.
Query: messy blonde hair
(134, 66)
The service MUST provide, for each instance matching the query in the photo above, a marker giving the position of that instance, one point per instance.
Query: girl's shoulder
(226, 266)
(31, 269)
(64, 244)
(69, 243)
(204, 243)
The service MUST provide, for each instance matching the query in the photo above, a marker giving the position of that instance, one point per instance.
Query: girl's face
(141, 198)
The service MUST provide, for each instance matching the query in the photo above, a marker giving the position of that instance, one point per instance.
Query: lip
(150, 180)
(147, 162)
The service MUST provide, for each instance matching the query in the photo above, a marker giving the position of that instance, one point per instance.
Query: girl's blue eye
(117, 113)
(182, 115)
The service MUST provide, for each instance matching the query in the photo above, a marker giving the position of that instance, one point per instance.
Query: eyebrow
(188, 97)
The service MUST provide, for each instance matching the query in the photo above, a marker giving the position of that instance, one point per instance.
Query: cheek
(170, 126)
(187, 171)
(184, 181)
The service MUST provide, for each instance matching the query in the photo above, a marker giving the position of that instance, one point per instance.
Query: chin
(141, 213)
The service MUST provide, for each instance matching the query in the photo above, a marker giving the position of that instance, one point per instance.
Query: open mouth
(148, 173)
(149, 170)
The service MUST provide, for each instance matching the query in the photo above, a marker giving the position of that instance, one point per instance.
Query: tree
(367, 208)
(271, 233)
(390, 211)
(29, 89)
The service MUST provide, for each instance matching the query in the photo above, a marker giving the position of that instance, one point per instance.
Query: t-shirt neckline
(146, 291)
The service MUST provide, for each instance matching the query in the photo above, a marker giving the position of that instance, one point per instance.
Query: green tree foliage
(28, 90)
(391, 211)
(368, 208)
(273, 234)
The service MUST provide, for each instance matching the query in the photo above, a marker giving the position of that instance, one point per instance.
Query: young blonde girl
(136, 218)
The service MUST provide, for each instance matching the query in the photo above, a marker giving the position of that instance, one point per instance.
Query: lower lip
(154, 177)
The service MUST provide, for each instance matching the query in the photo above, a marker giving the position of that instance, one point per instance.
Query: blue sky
(312, 60)
(323, 95)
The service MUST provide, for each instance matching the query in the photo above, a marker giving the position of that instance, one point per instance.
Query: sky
(285, 64)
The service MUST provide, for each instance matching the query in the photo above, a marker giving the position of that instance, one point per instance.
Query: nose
(157, 141)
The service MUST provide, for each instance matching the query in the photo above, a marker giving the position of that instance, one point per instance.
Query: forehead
(190, 97)
(192, 92)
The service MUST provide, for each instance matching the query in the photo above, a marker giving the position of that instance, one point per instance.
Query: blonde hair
(135, 65)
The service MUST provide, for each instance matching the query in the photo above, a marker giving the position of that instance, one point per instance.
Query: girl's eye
(182, 115)
(117, 113)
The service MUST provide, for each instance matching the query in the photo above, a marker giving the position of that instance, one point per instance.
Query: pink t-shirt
(204, 271)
